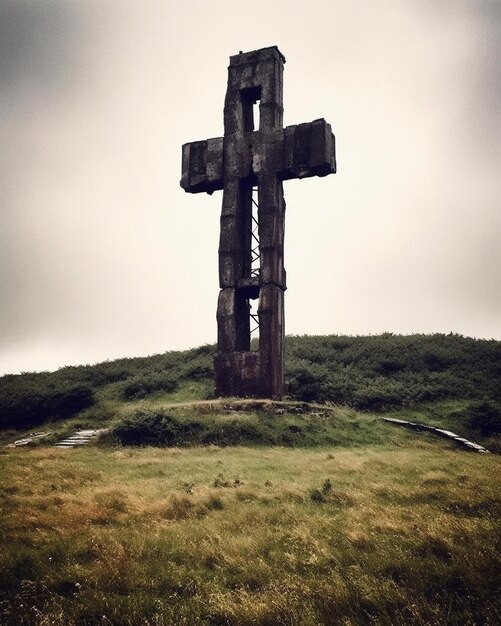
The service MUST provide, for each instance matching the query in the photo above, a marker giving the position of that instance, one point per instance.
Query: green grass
(255, 512)
(452, 415)
(398, 529)
(377, 373)
(233, 422)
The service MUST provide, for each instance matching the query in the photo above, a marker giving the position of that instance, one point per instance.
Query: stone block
(256, 56)
(202, 166)
(237, 374)
(214, 162)
(226, 321)
(309, 150)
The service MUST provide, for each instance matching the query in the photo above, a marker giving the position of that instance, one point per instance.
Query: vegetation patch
(379, 373)
(33, 398)
(389, 371)
(254, 512)
(394, 534)
(267, 425)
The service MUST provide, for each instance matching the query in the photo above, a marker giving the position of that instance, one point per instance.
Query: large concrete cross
(245, 163)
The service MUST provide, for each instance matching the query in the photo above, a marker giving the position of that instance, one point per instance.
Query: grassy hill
(225, 512)
(445, 379)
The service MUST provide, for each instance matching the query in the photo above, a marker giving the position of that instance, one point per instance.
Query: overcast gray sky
(102, 253)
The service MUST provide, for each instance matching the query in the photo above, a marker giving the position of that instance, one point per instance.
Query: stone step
(73, 442)
(80, 438)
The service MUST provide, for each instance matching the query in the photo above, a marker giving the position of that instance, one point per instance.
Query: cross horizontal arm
(307, 150)
(203, 166)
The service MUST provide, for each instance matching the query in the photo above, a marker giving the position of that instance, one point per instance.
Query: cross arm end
(309, 150)
(202, 166)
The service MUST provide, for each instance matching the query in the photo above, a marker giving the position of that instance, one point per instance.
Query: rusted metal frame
(255, 253)
(255, 317)
(253, 229)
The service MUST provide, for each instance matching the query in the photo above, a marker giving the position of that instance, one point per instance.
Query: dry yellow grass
(375, 535)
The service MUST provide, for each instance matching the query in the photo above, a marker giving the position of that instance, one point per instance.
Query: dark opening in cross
(255, 154)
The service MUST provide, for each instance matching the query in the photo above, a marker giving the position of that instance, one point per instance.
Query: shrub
(144, 384)
(387, 367)
(307, 382)
(391, 371)
(485, 417)
(371, 373)
(33, 399)
(157, 429)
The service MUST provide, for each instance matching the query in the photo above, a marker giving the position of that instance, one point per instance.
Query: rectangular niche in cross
(249, 164)
(250, 113)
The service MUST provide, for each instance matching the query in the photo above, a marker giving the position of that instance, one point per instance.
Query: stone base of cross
(249, 164)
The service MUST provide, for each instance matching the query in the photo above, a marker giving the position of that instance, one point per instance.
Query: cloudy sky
(103, 255)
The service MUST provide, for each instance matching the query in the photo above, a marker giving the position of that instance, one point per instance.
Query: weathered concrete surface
(203, 166)
(448, 434)
(30, 438)
(298, 151)
(261, 156)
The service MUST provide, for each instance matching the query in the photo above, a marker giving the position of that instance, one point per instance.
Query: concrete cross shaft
(245, 161)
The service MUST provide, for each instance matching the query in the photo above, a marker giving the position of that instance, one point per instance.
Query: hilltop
(446, 379)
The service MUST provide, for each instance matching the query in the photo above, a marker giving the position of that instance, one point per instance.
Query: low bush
(143, 385)
(375, 373)
(485, 417)
(28, 400)
(163, 429)
(389, 371)
(262, 428)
